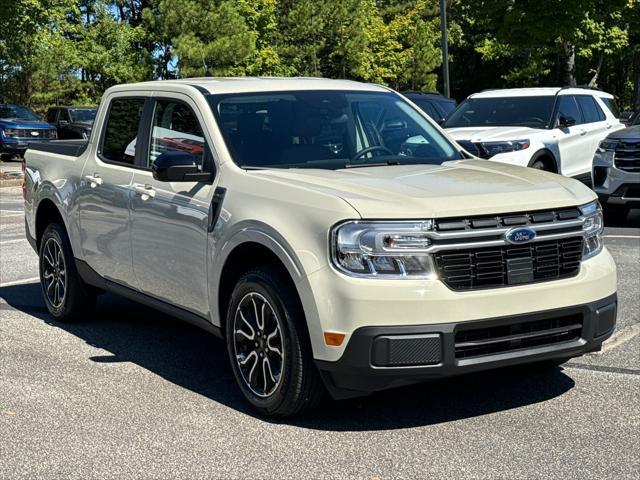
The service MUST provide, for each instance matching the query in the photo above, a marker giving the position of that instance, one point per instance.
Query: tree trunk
(569, 63)
(594, 79)
(636, 80)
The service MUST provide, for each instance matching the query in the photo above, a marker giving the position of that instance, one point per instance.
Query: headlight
(607, 145)
(54, 134)
(593, 227)
(10, 132)
(494, 148)
(383, 249)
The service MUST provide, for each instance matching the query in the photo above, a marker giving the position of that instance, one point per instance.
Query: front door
(571, 139)
(104, 194)
(170, 219)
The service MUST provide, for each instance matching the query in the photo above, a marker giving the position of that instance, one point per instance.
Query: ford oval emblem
(520, 235)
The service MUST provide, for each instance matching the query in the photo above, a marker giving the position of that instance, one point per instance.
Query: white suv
(554, 129)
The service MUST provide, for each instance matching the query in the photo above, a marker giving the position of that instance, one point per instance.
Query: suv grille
(492, 267)
(627, 155)
(507, 338)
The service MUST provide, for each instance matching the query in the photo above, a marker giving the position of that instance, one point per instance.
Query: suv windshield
(82, 114)
(12, 112)
(534, 112)
(327, 130)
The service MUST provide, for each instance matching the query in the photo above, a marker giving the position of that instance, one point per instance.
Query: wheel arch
(250, 248)
(548, 156)
(47, 212)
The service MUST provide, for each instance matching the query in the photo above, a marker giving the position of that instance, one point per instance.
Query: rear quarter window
(121, 130)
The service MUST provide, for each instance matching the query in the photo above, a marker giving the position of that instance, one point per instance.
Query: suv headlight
(607, 146)
(592, 227)
(494, 148)
(383, 249)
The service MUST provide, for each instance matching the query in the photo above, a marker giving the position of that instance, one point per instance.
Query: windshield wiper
(371, 164)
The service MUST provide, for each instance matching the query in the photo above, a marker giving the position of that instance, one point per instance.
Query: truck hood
(492, 134)
(630, 132)
(24, 124)
(459, 188)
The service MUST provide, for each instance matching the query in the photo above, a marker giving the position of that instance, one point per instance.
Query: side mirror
(63, 123)
(566, 121)
(178, 167)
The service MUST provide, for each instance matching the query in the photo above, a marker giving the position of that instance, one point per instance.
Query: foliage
(70, 51)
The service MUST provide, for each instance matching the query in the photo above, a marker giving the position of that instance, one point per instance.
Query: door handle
(583, 132)
(94, 180)
(145, 191)
(609, 126)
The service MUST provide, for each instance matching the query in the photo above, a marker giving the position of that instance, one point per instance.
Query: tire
(540, 165)
(287, 383)
(66, 296)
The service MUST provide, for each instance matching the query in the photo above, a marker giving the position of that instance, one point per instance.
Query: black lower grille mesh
(492, 267)
(504, 338)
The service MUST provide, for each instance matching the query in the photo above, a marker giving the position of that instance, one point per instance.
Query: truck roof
(218, 85)
(540, 91)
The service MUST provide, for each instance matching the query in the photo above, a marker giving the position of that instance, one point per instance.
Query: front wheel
(268, 346)
(66, 296)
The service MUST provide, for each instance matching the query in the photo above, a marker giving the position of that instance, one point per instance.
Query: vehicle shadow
(632, 220)
(192, 359)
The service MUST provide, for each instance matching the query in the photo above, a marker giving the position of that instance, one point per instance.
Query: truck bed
(72, 148)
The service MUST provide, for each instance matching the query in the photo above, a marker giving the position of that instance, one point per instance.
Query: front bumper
(381, 357)
(614, 186)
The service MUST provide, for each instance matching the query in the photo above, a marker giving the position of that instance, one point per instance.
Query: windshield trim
(213, 99)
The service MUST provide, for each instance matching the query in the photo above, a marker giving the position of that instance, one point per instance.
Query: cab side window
(569, 109)
(51, 115)
(175, 128)
(121, 131)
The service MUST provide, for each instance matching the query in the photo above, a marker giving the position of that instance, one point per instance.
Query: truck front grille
(492, 267)
(35, 133)
(486, 341)
(627, 155)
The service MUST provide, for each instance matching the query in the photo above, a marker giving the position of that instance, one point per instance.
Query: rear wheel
(67, 298)
(268, 347)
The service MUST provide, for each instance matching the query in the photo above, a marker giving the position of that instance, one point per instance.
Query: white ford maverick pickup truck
(329, 231)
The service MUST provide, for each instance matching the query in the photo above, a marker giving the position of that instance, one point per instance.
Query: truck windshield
(83, 115)
(14, 112)
(327, 130)
(534, 112)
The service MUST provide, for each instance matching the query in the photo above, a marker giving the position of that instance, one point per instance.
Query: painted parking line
(20, 282)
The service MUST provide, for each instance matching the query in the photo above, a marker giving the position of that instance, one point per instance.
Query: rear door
(596, 126)
(105, 188)
(571, 139)
(170, 219)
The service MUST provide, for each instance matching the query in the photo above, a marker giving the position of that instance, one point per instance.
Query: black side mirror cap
(566, 121)
(178, 167)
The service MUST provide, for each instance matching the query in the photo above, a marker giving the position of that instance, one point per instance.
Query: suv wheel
(268, 346)
(67, 298)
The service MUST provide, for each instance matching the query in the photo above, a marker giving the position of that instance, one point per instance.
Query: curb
(11, 183)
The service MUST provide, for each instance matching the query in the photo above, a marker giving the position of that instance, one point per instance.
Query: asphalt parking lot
(134, 393)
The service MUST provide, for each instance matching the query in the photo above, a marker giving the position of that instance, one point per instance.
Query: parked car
(616, 171)
(72, 122)
(553, 129)
(19, 126)
(432, 103)
(326, 257)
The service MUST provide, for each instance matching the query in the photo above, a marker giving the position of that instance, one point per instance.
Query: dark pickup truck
(72, 122)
